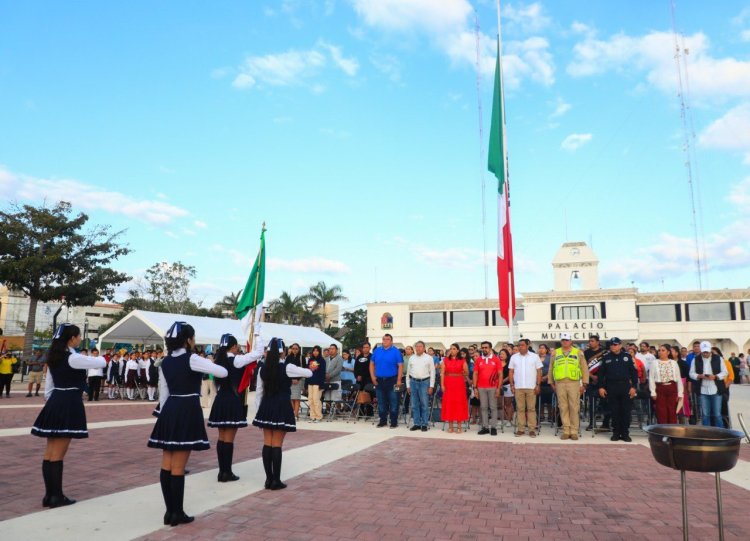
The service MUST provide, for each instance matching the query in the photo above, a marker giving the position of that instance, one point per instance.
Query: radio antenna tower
(482, 161)
(688, 147)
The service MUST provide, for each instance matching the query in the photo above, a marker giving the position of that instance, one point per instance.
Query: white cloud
(449, 25)
(653, 53)
(350, 66)
(672, 255)
(740, 194)
(388, 65)
(220, 73)
(574, 141)
(529, 18)
(85, 196)
(578, 27)
(309, 265)
(730, 132)
(561, 107)
(293, 67)
(745, 35)
(200, 224)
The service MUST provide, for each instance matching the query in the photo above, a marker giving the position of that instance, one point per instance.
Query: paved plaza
(355, 481)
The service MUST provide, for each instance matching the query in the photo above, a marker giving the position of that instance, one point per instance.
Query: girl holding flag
(228, 412)
(179, 428)
(273, 405)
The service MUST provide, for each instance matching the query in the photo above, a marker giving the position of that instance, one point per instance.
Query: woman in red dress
(453, 374)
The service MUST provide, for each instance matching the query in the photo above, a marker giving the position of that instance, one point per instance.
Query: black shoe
(394, 425)
(414, 428)
(589, 428)
(614, 437)
(267, 484)
(36, 393)
(226, 477)
(627, 439)
(493, 432)
(180, 518)
(277, 485)
(167, 518)
(60, 501)
(424, 429)
(45, 501)
(381, 424)
(484, 431)
(28, 395)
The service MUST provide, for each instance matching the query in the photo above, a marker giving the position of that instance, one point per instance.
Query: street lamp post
(86, 332)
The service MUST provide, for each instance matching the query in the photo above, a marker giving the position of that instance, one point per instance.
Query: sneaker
(532, 434)
(28, 395)
(574, 436)
(493, 431)
(589, 428)
(520, 433)
(414, 428)
(424, 429)
(483, 431)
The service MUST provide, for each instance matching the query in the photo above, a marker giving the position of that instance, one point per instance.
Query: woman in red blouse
(453, 374)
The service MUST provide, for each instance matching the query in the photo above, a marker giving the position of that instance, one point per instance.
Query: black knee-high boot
(46, 475)
(220, 458)
(177, 486)
(276, 484)
(228, 456)
(268, 464)
(57, 498)
(165, 479)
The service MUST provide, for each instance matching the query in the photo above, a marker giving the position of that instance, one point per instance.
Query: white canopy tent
(149, 328)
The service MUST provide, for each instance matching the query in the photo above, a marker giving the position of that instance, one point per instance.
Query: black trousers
(5, 380)
(621, 406)
(95, 385)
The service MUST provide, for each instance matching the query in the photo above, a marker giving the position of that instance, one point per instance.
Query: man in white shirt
(525, 376)
(420, 382)
(645, 356)
(711, 372)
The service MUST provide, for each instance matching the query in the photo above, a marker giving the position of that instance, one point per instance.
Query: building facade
(578, 306)
(14, 312)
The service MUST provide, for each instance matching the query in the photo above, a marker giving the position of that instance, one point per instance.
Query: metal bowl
(694, 448)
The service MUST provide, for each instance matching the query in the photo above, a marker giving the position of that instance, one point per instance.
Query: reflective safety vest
(567, 366)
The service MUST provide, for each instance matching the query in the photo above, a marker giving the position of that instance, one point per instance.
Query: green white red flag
(498, 164)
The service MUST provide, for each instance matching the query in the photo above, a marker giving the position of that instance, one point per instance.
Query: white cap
(565, 336)
(705, 346)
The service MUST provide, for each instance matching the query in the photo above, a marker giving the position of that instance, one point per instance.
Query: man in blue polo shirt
(386, 370)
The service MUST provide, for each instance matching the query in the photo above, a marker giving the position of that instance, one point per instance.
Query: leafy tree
(46, 254)
(287, 309)
(355, 324)
(321, 295)
(310, 318)
(228, 303)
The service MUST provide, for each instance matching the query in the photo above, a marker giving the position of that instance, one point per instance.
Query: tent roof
(149, 328)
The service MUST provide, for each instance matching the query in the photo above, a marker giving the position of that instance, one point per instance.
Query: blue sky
(351, 128)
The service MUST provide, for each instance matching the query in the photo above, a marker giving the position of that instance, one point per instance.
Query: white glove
(259, 345)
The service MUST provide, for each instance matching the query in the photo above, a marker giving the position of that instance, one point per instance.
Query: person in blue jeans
(386, 371)
(709, 370)
(420, 382)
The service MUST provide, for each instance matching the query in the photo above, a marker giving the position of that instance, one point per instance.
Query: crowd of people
(471, 385)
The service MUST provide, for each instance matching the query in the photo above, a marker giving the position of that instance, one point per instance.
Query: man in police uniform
(618, 378)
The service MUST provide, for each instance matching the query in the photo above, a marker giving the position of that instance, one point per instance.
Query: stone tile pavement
(409, 488)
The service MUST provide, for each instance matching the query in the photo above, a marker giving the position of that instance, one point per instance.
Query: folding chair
(362, 400)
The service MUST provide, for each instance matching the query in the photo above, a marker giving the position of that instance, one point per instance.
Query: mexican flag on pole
(252, 297)
(498, 164)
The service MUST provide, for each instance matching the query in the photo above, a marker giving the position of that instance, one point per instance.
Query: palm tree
(229, 302)
(310, 318)
(286, 309)
(321, 295)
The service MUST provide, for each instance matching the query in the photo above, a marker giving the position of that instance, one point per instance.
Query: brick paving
(111, 460)
(409, 488)
(95, 412)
